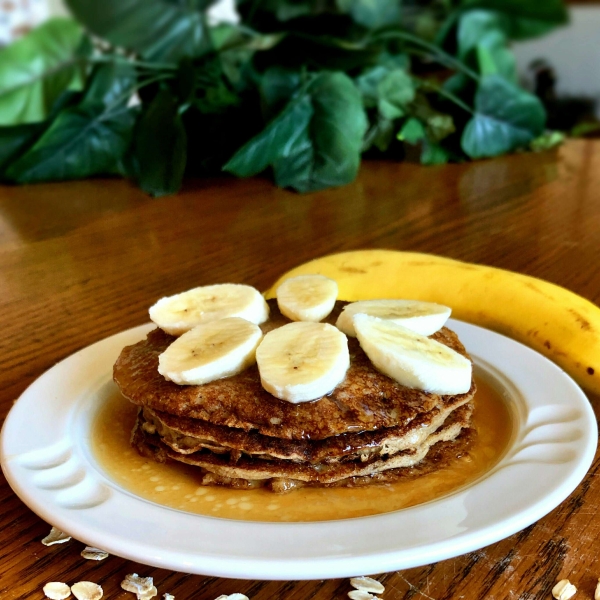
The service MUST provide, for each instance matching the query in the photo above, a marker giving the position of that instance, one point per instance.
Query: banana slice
(421, 317)
(180, 313)
(302, 361)
(307, 297)
(411, 359)
(211, 351)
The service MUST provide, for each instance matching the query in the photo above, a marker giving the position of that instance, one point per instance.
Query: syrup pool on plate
(177, 485)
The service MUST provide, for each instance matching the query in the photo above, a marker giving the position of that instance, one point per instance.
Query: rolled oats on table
(91, 553)
(87, 590)
(360, 595)
(56, 536)
(56, 590)
(367, 584)
(235, 596)
(597, 592)
(564, 590)
(168, 597)
(136, 584)
(148, 595)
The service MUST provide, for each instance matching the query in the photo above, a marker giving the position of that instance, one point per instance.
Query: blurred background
(564, 63)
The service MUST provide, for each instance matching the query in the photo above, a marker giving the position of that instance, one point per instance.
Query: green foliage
(372, 13)
(156, 29)
(37, 69)
(159, 149)
(299, 89)
(506, 118)
(315, 142)
(525, 18)
(275, 141)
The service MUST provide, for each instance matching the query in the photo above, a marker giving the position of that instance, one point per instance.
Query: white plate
(46, 459)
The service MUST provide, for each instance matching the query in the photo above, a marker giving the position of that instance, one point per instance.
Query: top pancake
(366, 400)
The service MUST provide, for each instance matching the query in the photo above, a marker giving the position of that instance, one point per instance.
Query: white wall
(573, 51)
(57, 7)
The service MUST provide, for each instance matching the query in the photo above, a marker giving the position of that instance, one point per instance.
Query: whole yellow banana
(554, 321)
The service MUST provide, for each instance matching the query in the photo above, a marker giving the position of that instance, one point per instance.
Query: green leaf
(368, 84)
(37, 69)
(552, 11)
(506, 118)
(328, 152)
(111, 83)
(527, 18)
(82, 141)
(318, 52)
(412, 131)
(547, 141)
(14, 139)
(494, 56)
(434, 154)
(275, 141)
(473, 25)
(185, 80)
(483, 36)
(156, 29)
(159, 148)
(315, 142)
(395, 91)
(372, 14)
(380, 135)
(440, 126)
(583, 129)
(295, 171)
(391, 90)
(277, 86)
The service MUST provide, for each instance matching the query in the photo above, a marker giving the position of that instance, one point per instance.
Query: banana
(210, 351)
(307, 297)
(550, 319)
(180, 313)
(302, 361)
(421, 317)
(411, 359)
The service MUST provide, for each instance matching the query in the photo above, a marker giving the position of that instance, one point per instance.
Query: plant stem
(127, 95)
(445, 93)
(135, 63)
(440, 54)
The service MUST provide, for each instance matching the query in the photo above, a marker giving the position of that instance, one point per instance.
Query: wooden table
(81, 261)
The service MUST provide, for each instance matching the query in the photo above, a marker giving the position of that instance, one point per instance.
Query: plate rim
(382, 558)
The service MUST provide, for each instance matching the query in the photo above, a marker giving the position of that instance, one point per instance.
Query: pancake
(366, 400)
(369, 429)
(280, 475)
(185, 436)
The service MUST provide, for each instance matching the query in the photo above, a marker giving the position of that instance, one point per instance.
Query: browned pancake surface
(366, 400)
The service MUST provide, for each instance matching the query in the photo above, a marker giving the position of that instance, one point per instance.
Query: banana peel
(559, 324)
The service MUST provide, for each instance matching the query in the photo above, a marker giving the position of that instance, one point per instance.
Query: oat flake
(91, 553)
(56, 536)
(56, 590)
(367, 584)
(360, 595)
(564, 590)
(138, 585)
(148, 595)
(87, 590)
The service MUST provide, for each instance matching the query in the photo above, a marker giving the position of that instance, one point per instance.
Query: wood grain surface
(83, 260)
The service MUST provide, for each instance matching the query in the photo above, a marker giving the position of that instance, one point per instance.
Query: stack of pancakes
(369, 429)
